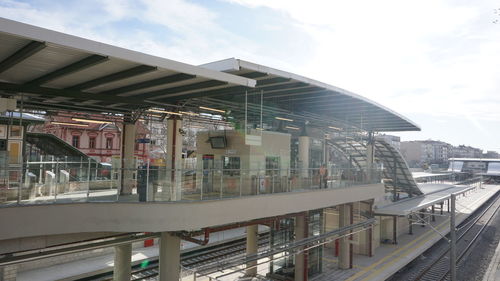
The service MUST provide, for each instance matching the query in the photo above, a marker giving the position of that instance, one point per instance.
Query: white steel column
(128, 161)
(170, 257)
(453, 240)
(345, 250)
(370, 160)
(300, 230)
(174, 156)
(123, 262)
(304, 155)
(252, 247)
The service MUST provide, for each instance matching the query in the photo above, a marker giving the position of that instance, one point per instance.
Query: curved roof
(397, 175)
(299, 93)
(54, 70)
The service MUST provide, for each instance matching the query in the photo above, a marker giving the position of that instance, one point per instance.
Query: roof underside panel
(52, 70)
(300, 94)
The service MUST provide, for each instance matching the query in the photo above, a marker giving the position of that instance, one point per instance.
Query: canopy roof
(405, 207)
(301, 94)
(474, 159)
(54, 70)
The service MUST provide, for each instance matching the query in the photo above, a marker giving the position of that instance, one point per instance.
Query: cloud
(386, 49)
(175, 29)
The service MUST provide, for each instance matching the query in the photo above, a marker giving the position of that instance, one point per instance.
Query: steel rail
(13, 259)
(444, 270)
(189, 259)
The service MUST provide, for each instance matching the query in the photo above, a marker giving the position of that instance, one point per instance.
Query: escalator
(49, 145)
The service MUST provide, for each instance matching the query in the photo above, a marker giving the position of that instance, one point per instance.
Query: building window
(92, 142)
(76, 141)
(109, 143)
(272, 165)
(231, 165)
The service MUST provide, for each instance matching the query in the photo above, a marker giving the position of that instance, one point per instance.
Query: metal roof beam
(134, 71)
(232, 91)
(45, 91)
(266, 95)
(150, 83)
(333, 100)
(25, 52)
(306, 92)
(271, 81)
(252, 75)
(211, 93)
(74, 67)
(164, 94)
(43, 105)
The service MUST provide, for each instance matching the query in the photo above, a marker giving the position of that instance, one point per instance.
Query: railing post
(272, 183)
(201, 185)
(241, 183)
(88, 180)
(56, 172)
(221, 180)
(148, 192)
(258, 182)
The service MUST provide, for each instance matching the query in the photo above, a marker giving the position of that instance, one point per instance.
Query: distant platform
(434, 193)
(417, 175)
(390, 258)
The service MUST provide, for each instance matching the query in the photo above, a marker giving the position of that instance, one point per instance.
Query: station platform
(389, 258)
(493, 271)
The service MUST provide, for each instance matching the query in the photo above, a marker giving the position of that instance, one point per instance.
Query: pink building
(100, 141)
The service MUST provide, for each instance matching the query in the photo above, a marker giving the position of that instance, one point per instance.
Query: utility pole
(453, 240)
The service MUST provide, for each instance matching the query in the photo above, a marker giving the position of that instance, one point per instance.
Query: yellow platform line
(336, 261)
(393, 254)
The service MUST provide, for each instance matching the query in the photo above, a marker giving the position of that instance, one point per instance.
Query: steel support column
(174, 156)
(345, 253)
(395, 229)
(453, 240)
(300, 258)
(128, 161)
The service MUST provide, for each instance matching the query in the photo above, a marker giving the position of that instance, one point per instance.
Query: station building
(271, 148)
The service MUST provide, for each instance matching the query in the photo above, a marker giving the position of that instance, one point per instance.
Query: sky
(435, 62)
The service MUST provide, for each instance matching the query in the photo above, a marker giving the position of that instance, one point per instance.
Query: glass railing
(86, 181)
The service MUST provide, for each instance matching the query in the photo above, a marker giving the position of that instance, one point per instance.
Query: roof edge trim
(86, 45)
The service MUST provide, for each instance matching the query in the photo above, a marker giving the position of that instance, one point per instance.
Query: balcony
(65, 182)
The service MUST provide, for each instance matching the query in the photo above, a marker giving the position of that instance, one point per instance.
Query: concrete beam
(36, 220)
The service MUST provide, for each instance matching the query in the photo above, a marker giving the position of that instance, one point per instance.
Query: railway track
(468, 233)
(148, 270)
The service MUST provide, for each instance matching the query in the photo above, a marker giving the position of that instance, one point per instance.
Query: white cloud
(387, 49)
